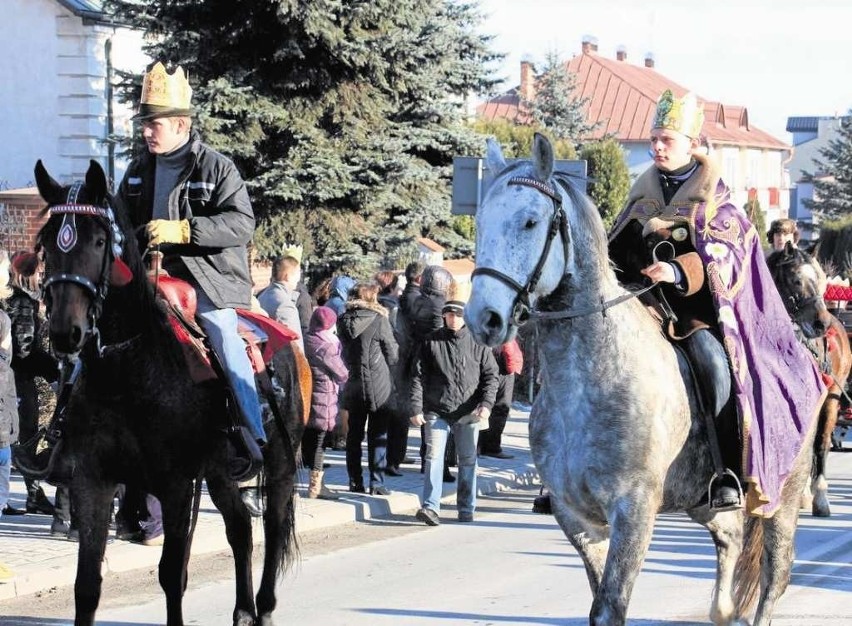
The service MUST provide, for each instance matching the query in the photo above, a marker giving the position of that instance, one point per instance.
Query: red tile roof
(623, 98)
(429, 244)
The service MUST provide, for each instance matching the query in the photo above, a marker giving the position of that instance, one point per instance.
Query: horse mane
(589, 228)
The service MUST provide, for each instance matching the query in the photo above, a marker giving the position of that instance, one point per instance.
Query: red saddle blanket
(263, 336)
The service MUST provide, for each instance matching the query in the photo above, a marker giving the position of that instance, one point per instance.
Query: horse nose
(819, 327)
(67, 341)
(492, 324)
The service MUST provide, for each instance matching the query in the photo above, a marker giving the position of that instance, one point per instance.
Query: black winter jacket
(452, 375)
(369, 350)
(213, 197)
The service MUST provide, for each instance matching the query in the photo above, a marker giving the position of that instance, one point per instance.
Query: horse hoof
(265, 620)
(821, 512)
(241, 618)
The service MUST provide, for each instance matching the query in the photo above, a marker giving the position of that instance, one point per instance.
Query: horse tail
(294, 375)
(747, 571)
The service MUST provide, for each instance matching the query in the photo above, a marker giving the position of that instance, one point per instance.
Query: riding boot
(713, 380)
(251, 493)
(245, 453)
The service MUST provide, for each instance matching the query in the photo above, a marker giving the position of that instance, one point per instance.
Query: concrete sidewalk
(42, 562)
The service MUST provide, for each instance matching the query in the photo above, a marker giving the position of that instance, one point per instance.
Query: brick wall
(20, 219)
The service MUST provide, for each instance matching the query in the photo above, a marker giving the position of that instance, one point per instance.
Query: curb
(56, 564)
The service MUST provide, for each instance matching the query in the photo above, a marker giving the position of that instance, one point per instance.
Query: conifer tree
(832, 178)
(758, 218)
(556, 106)
(343, 117)
(609, 178)
(516, 140)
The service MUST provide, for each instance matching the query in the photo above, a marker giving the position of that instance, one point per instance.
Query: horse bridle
(521, 308)
(66, 239)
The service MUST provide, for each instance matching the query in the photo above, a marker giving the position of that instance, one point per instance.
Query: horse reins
(521, 308)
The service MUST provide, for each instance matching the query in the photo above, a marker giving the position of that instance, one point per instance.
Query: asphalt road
(510, 567)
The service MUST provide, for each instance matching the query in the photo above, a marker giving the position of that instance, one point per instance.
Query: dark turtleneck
(169, 168)
(670, 182)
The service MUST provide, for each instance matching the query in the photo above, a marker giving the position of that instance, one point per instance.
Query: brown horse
(800, 282)
(136, 416)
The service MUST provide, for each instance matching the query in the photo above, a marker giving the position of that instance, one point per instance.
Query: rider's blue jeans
(221, 328)
(436, 432)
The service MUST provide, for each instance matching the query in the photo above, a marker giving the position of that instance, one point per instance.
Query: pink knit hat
(322, 318)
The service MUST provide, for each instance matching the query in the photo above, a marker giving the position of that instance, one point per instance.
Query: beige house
(622, 99)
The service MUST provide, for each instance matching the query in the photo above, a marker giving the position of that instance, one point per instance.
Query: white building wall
(55, 105)
(29, 120)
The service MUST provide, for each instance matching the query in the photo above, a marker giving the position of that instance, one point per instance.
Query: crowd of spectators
(368, 345)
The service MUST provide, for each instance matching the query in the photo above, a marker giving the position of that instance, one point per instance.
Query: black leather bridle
(521, 308)
(65, 241)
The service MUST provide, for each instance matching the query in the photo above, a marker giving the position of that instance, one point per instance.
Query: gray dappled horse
(801, 283)
(614, 431)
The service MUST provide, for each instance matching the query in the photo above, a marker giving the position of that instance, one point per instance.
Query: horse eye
(100, 242)
(531, 223)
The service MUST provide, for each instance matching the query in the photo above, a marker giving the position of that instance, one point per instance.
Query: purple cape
(777, 385)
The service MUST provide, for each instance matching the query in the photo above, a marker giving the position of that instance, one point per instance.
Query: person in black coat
(370, 351)
(453, 389)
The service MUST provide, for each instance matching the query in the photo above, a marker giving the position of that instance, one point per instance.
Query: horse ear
(494, 161)
(542, 153)
(96, 180)
(50, 190)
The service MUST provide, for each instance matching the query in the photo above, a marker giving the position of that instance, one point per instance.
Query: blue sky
(779, 58)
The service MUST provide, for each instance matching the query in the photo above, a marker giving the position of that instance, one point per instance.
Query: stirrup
(725, 506)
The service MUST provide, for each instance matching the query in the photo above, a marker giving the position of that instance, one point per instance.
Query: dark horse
(135, 415)
(800, 282)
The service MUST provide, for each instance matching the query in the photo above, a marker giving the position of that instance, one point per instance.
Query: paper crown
(457, 296)
(684, 115)
(164, 94)
(293, 251)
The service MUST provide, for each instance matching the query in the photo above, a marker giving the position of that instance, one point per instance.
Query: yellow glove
(167, 231)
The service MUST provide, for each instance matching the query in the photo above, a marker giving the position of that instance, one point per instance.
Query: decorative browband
(67, 237)
(81, 209)
(536, 184)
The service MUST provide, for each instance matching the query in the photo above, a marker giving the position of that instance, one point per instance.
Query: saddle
(262, 335)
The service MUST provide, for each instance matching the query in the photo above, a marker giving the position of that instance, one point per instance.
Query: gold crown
(161, 89)
(294, 251)
(684, 115)
(459, 292)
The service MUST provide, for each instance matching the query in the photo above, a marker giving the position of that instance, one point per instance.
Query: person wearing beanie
(323, 351)
(453, 388)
